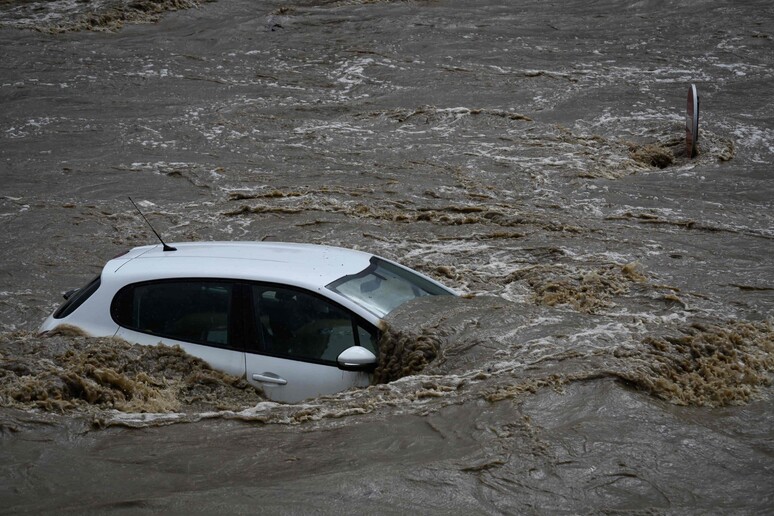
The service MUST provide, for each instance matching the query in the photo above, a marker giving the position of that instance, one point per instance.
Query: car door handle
(269, 378)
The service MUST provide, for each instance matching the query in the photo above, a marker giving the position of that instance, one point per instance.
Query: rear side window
(77, 299)
(188, 310)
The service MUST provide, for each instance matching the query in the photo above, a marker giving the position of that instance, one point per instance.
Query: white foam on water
(751, 136)
(516, 293)
(335, 127)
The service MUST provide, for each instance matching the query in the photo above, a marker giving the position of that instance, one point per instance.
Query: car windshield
(383, 286)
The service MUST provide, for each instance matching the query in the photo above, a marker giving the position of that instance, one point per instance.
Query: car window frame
(235, 322)
(243, 328)
(257, 336)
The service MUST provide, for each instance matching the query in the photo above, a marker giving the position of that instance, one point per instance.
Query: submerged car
(296, 320)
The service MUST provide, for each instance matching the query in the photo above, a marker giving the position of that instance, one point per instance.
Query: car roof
(304, 265)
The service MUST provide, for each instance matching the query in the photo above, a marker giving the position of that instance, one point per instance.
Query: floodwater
(614, 348)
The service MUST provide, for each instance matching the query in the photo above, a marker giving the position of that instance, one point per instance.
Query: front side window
(188, 310)
(383, 286)
(299, 325)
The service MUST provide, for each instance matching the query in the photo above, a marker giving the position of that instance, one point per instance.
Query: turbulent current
(613, 347)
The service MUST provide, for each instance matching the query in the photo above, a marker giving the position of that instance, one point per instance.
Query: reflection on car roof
(304, 265)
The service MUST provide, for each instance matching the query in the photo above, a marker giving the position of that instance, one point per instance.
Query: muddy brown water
(614, 348)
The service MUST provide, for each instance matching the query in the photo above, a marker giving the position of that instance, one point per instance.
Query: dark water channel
(616, 348)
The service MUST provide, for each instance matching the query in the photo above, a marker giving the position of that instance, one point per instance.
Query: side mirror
(357, 358)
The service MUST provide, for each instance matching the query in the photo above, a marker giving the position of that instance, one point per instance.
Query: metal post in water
(692, 122)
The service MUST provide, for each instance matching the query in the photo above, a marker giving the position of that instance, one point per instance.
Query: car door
(298, 338)
(195, 314)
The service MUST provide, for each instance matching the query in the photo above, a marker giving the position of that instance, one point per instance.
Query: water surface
(616, 354)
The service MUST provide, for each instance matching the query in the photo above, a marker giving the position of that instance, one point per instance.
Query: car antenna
(166, 247)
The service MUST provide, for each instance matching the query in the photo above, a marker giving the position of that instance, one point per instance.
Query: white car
(297, 320)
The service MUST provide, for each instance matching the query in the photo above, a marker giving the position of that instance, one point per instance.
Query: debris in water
(652, 154)
(586, 291)
(709, 365)
(68, 371)
(106, 16)
(403, 354)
